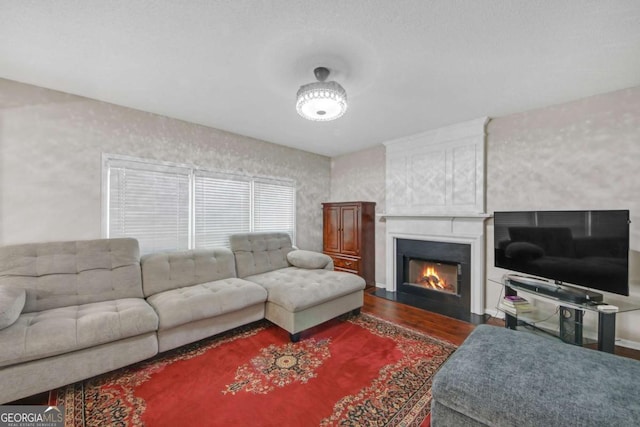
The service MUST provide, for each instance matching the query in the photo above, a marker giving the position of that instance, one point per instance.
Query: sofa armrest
(330, 265)
(11, 304)
(309, 260)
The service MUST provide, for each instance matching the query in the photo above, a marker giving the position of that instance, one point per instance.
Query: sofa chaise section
(303, 290)
(83, 313)
(196, 294)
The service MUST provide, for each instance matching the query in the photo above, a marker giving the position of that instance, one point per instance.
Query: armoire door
(350, 243)
(331, 229)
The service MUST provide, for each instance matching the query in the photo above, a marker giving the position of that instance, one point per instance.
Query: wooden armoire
(349, 237)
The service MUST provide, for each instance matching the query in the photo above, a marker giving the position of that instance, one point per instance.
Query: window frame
(117, 160)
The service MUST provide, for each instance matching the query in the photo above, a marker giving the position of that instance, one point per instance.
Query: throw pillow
(11, 304)
(308, 259)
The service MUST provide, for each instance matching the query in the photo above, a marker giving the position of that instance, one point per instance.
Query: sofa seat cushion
(189, 304)
(297, 289)
(61, 330)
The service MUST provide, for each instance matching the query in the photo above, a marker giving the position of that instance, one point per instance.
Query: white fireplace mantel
(460, 229)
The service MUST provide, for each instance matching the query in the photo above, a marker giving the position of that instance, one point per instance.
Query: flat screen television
(585, 248)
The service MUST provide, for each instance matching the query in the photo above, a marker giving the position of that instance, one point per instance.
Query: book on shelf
(515, 299)
(515, 311)
(515, 304)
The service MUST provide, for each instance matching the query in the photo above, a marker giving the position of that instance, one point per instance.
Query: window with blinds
(150, 203)
(176, 207)
(222, 208)
(274, 206)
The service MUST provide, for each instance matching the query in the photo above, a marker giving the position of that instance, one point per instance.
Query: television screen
(586, 248)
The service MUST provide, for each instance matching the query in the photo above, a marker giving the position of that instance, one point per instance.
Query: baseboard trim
(634, 345)
(494, 313)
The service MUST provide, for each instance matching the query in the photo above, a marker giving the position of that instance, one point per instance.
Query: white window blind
(170, 207)
(222, 208)
(274, 206)
(150, 203)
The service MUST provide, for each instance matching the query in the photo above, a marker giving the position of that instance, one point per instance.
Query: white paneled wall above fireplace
(437, 172)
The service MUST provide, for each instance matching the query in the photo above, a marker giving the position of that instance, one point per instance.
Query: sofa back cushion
(171, 270)
(258, 253)
(60, 274)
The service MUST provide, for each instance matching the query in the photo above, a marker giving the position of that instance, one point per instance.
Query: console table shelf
(570, 315)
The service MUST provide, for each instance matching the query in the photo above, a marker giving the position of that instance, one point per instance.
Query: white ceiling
(408, 66)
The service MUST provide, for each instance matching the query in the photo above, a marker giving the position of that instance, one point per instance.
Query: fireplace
(435, 276)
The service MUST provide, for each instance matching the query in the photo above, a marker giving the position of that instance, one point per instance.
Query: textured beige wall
(579, 155)
(50, 162)
(360, 176)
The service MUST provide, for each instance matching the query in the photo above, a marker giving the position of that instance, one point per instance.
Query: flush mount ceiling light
(321, 101)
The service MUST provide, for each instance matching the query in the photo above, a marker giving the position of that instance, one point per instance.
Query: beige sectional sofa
(73, 310)
(303, 290)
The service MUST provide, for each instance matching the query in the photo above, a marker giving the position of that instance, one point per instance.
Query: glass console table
(571, 314)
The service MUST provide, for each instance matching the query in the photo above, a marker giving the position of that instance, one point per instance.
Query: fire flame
(431, 278)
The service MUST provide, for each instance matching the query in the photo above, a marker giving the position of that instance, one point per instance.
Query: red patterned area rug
(350, 371)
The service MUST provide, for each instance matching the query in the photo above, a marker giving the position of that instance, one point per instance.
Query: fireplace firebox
(435, 276)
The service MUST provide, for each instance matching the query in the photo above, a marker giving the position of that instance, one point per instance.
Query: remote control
(608, 308)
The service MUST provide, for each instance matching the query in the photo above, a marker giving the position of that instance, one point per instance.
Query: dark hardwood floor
(438, 326)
